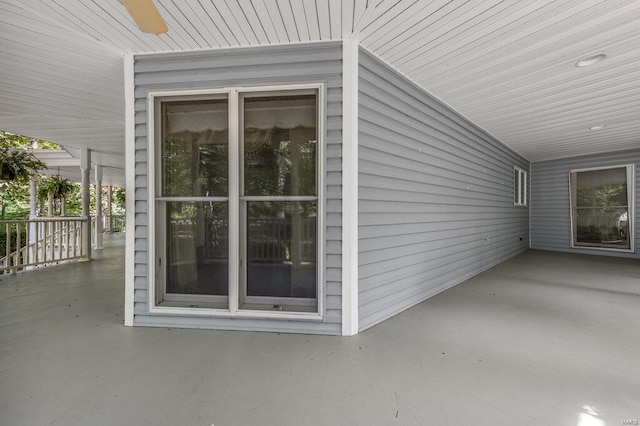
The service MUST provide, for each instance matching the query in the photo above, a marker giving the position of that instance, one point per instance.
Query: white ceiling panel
(507, 65)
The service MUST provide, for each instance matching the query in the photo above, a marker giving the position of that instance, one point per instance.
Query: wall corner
(350, 315)
(130, 163)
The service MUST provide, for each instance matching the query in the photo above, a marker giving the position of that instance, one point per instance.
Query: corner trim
(350, 315)
(130, 175)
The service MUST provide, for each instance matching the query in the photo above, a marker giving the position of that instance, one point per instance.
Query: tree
(18, 141)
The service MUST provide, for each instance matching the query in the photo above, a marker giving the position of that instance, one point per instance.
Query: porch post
(33, 213)
(85, 169)
(33, 199)
(98, 238)
(50, 205)
(109, 213)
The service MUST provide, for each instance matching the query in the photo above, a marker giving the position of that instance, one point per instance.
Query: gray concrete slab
(543, 339)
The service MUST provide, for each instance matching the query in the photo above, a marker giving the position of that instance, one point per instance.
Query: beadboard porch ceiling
(507, 65)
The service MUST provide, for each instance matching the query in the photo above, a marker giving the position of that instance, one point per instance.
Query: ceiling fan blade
(146, 16)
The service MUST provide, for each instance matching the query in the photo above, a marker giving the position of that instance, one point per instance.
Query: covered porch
(544, 338)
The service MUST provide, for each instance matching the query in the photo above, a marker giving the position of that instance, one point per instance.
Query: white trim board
(631, 202)
(233, 96)
(350, 52)
(130, 188)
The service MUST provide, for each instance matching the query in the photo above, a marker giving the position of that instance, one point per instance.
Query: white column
(85, 169)
(33, 213)
(50, 205)
(109, 209)
(99, 218)
(33, 199)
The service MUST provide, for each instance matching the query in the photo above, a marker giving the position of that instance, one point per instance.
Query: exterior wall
(260, 66)
(550, 202)
(435, 196)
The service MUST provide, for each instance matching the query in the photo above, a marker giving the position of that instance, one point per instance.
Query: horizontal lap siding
(260, 66)
(550, 204)
(435, 196)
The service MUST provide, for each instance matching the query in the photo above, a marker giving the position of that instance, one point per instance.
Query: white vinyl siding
(435, 196)
(551, 203)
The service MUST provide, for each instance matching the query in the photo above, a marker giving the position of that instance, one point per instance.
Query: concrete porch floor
(543, 339)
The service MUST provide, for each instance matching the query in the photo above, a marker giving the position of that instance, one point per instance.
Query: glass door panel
(195, 148)
(278, 201)
(198, 248)
(193, 202)
(280, 146)
(281, 249)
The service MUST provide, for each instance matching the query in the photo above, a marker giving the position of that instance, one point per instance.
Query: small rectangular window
(519, 187)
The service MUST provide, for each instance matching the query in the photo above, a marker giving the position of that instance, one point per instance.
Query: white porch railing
(41, 242)
(110, 223)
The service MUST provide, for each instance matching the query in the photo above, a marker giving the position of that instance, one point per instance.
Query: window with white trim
(519, 187)
(237, 202)
(602, 211)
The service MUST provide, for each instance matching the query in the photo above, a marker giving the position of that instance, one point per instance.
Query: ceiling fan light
(146, 16)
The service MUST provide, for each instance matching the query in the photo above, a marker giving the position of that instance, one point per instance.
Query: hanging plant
(18, 164)
(56, 186)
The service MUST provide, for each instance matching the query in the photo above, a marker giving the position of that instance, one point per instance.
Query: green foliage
(14, 235)
(605, 195)
(14, 192)
(74, 201)
(12, 196)
(24, 142)
(57, 186)
(17, 211)
(195, 163)
(17, 167)
(119, 199)
(18, 164)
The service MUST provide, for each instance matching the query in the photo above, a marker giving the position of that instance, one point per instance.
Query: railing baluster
(81, 240)
(59, 225)
(67, 233)
(52, 250)
(18, 245)
(74, 239)
(28, 244)
(36, 243)
(8, 245)
(45, 242)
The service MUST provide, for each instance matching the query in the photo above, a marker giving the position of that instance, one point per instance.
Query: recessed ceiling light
(591, 60)
(599, 127)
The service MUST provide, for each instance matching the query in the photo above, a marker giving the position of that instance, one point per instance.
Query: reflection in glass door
(236, 202)
(194, 202)
(279, 202)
